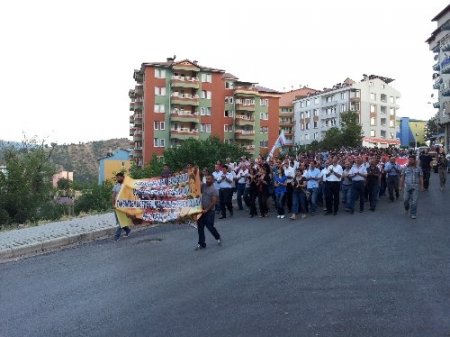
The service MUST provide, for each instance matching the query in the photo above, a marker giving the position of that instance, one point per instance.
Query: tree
(351, 130)
(27, 185)
(432, 128)
(64, 184)
(152, 169)
(332, 139)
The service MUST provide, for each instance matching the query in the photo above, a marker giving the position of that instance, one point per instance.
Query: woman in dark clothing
(253, 191)
(263, 182)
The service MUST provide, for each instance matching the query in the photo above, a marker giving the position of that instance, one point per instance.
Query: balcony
(137, 136)
(245, 134)
(249, 148)
(445, 45)
(245, 107)
(288, 123)
(139, 90)
(445, 65)
(185, 82)
(185, 67)
(286, 114)
(138, 105)
(186, 100)
(436, 105)
(137, 149)
(138, 119)
(244, 120)
(183, 133)
(446, 91)
(137, 154)
(445, 25)
(184, 116)
(132, 94)
(437, 83)
(132, 106)
(436, 67)
(132, 131)
(131, 119)
(246, 92)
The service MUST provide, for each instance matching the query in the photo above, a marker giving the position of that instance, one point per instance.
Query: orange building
(174, 101)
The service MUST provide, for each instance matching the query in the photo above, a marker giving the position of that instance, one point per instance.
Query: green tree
(432, 128)
(351, 130)
(96, 198)
(332, 139)
(151, 169)
(64, 184)
(27, 184)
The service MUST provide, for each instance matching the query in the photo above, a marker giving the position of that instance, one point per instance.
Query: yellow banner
(159, 200)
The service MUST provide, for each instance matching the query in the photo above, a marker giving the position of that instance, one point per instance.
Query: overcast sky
(66, 67)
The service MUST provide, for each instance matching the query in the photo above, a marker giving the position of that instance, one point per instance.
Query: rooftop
(287, 98)
(442, 13)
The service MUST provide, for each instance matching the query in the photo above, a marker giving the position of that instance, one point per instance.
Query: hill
(82, 158)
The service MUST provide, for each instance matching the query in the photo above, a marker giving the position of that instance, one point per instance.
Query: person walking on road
(442, 169)
(373, 183)
(425, 164)
(210, 196)
(115, 192)
(410, 181)
(392, 170)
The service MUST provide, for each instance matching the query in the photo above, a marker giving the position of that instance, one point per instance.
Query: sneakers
(280, 216)
(219, 242)
(304, 216)
(199, 247)
(127, 235)
(293, 217)
(413, 217)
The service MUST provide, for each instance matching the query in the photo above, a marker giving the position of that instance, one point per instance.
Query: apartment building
(174, 101)
(439, 43)
(287, 120)
(373, 99)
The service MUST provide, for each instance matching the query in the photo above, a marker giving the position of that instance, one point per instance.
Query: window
(302, 104)
(206, 78)
(206, 94)
(392, 111)
(383, 133)
(228, 127)
(308, 126)
(205, 128)
(383, 98)
(316, 100)
(372, 133)
(229, 85)
(162, 142)
(315, 125)
(383, 121)
(307, 136)
(308, 114)
(302, 115)
(392, 123)
(160, 108)
(372, 121)
(264, 143)
(264, 116)
(228, 100)
(155, 142)
(162, 125)
(205, 111)
(342, 96)
(308, 102)
(264, 102)
(316, 112)
(372, 108)
(302, 126)
(160, 91)
(383, 86)
(316, 135)
(343, 108)
(263, 129)
(391, 99)
(373, 96)
(383, 110)
(160, 73)
(228, 113)
(159, 142)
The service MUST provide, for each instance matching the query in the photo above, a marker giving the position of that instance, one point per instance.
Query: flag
(281, 140)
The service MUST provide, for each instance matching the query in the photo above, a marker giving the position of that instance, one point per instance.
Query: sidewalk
(39, 239)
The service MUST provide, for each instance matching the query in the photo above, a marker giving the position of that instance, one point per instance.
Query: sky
(66, 66)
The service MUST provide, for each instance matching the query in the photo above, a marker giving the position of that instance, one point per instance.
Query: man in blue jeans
(410, 181)
(312, 176)
(209, 200)
(115, 192)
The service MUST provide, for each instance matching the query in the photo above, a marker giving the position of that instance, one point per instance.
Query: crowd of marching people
(306, 184)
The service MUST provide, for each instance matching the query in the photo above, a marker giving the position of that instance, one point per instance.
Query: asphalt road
(372, 274)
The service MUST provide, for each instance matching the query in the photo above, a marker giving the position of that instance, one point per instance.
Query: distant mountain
(81, 158)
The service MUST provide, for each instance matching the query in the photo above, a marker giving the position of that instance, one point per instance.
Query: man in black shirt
(425, 165)
(373, 183)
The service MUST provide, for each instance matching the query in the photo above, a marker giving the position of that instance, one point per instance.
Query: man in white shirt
(358, 174)
(216, 175)
(225, 192)
(312, 176)
(334, 175)
(289, 172)
(241, 178)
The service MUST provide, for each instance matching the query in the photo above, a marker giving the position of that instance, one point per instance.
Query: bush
(97, 198)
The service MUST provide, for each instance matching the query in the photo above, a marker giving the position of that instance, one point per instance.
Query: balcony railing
(132, 106)
(138, 105)
(184, 116)
(137, 136)
(437, 83)
(184, 130)
(132, 131)
(436, 67)
(131, 119)
(445, 65)
(286, 123)
(185, 99)
(436, 105)
(245, 134)
(132, 93)
(138, 119)
(139, 90)
(245, 107)
(185, 82)
(446, 91)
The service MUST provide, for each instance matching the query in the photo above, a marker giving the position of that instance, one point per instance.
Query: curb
(47, 246)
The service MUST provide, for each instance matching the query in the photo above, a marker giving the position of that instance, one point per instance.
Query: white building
(373, 99)
(440, 45)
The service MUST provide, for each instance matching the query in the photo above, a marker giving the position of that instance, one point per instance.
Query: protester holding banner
(115, 192)
(210, 196)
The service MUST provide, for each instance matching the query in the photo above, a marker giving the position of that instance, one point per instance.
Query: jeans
(298, 202)
(332, 196)
(289, 191)
(240, 188)
(358, 190)
(410, 197)
(279, 202)
(225, 195)
(347, 195)
(392, 182)
(314, 192)
(247, 196)
(119, 231)
(373, 189)
(206, 220)
(426, 177)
